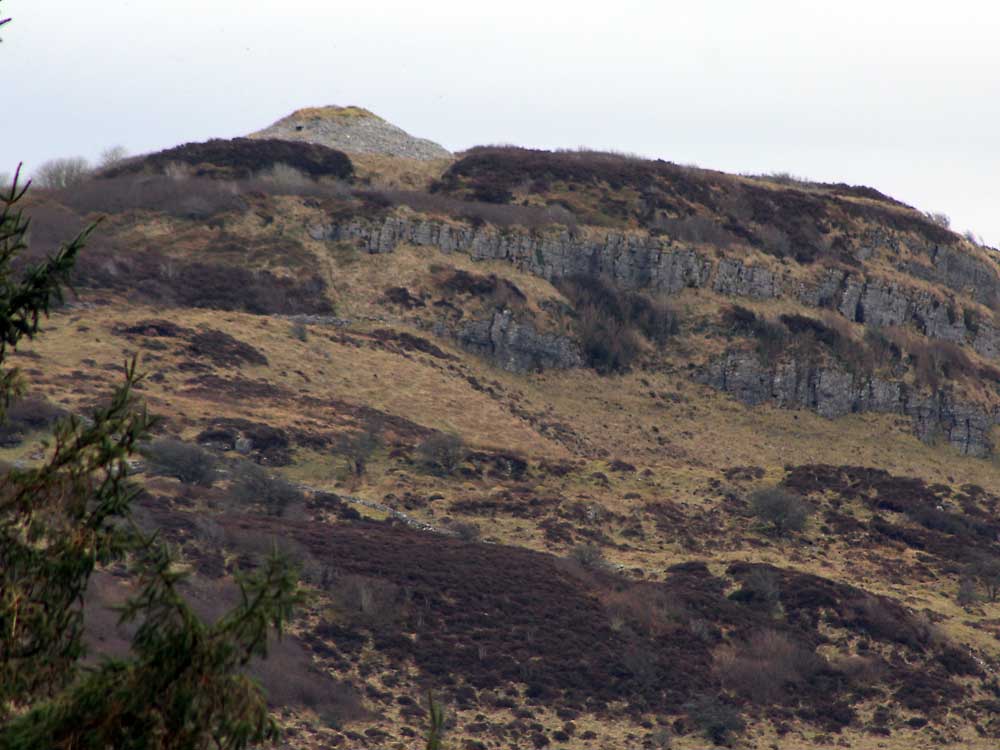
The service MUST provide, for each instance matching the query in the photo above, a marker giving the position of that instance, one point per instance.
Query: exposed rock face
(658, 264)
(354, 130)
(833, 392)
(517, 347)
(633, 260)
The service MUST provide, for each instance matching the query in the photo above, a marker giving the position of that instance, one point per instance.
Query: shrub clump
(781, 511)
(765, 667)
(26, 415)
(612, 321)
(256, 486)
(174, 458)
(588, 556)
(443, 452)
(716, 720)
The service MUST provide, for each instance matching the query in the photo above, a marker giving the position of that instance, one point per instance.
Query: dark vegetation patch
(407, 342)
(223, 350)
(269, 445)
(611, 320)
(494, 291)
(690, 204)
(477, 618)
(240, 158)
(892, 351)
(235, 388)
(797, 336)
(174, 458)
(153, 328)
(153, 278)
(475, 212)
(27, 415)
(958, 527)
(400, 295)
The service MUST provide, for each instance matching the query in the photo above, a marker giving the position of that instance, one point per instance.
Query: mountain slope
(629, 351)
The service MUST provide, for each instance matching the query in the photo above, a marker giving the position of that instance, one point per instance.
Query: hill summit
(352, 129)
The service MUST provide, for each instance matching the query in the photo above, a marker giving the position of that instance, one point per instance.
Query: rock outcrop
(640, 261)
(517, 347)
(833, 392)
(354, 130)
(661, 265)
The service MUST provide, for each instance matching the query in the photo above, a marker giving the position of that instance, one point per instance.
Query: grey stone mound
(352, 130)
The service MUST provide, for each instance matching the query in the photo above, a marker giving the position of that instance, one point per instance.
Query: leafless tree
(58, 174)
(112, 155)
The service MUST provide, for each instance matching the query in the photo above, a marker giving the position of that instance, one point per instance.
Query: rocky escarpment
(354, 130)
(517, 347)
(659, 264)
(834, 392)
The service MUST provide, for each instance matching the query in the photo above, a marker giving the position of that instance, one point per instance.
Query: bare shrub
(648, 611)
(443, 451)
(60, 174)
(783, 178)
(716, 720)
(299, 331)
(588, 555)
(112, 156)
(642, 666)
(985, 570)
(284, 176)
(860, 670)
(360, 447)
(696, 229)
(934, 361)
(782, 511)
(764, 667)
(467, 531)
(939, 218)
(256, 486)
(968, 594)
(610, 321)
(761, 589)
(175, 458)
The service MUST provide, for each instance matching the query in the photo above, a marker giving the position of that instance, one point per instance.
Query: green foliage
(181, 685)
(435, 723)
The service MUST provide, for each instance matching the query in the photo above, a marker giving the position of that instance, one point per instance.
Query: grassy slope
(681, 438)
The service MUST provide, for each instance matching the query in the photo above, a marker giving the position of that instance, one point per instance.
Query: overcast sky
(903, 96)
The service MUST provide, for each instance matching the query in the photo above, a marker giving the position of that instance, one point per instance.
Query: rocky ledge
(833, 392)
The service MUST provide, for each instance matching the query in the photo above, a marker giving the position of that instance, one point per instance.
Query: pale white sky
(900, 95)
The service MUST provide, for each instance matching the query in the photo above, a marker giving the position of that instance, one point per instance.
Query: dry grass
(333, 112)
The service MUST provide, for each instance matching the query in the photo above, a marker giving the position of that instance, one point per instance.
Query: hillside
(519, 415)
